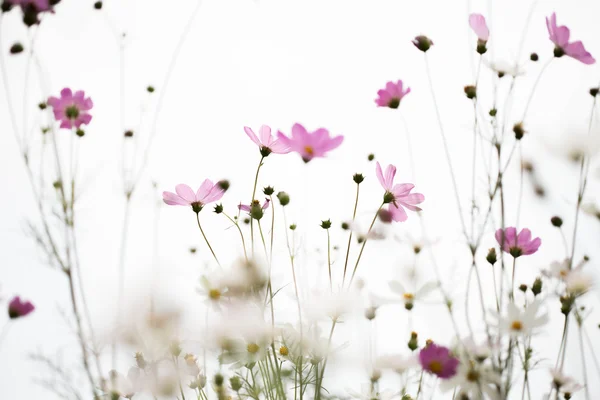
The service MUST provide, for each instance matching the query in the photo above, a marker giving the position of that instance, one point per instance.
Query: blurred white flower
(410, 297)
(245, 278)
(591, 209)
(518, 322)
(396, 362)
(121, 385)
(502, 67)
(325, 304)
(303, 345)
(480, 352)
(564, 383)
(473, 381)
(369, 393)
(212, 287)
(578, 282)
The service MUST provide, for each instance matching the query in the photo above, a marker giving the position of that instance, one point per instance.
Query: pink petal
(279, 147)
(174, 200)
(66, 92)
(561, 35)
(479, 26)
(203, 190)
(286, 141)
(390, 173)
(252, 135)
(398, 213)
(578, 52)
(215, 194)
(244, 207)
(299, 133)
(413, 198)
(402, 189)
(185, 192)
(379, 174)
(265, 135)
(333, 143)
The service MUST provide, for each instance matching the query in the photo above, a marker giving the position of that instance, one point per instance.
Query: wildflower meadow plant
(292, 305)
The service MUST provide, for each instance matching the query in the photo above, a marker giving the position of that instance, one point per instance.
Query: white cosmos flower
(213, 289)
(396, 362)
(325, 304)
(578, 282)
(564, 383)
(367, 393)
(503, 67)
(409, 297)
(474, 381)
(519, 322)
(479, 351)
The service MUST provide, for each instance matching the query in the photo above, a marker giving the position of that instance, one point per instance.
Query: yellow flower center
(284, 351)
(563, 273)
(309, 150)
(214, 294)
(252, 348)
(409, 296)
(473, 376)
(516, 326)
(436, 367)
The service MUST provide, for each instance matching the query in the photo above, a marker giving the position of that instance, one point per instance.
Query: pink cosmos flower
(31, 9)
(517, 245)
(207, 193)
(255, 203)
(391, 95)
(479, 26)
(71, 110)
(438, 360)
(310, 144)
(398, 196)
(18, 308)
(559, 35)
(266, 143)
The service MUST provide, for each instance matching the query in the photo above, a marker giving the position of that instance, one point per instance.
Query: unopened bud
(518, 130)
(219, 379)
(422, 43)
(42, 106)
(523, 288)
(223, 184)
(128, 134)
(98, 5)
(413, 342)
(284, 198)
(268, 191)
(293, 227)
(236, 383)
(371, 157)
(175, 349)
(493, 112)
(534, 57)
(358, 178)
(150, 89)
(218, 209)
(594, 91)
(470, 91)
(16, 48)
(326, 224)
(491, 256)
(80, 132)
(536, 288)
(556, 221)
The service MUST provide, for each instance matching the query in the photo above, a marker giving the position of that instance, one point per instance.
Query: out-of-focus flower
(502, 68)
(473, 381)
(479, 26)
(31, 8)
(392, 95)
(244, 278)
(18, 308)
(207, 193)
(591, 209)
(564, 383)
(302, 344)
(578, 282)
(410, 297)
(324, 304)
(125, 386)
(247, 346)
(480, 352)
(396, 362)
(438, 360)
(559, 35)
(398, 196)
(517, 245)
(310, 144)
(266, 143)
(213, 288)
(368, 392)
(518, 322)
(71, 110)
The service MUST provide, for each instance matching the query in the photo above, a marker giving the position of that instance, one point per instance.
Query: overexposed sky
(278, 62)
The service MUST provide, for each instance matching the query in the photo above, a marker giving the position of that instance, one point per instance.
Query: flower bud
(558, 52)
(98, 5)
(223, 184)
(128, 134)
(413, 342)
(470, 91)
(523, 288)
(256, 210)
(236, 383)
(491, 256)
(518, 130)
(284, 198)
(218, 208)
(150, 89)
(42, 105)
(193, 250)
(345, 226)
(219, 379)
(422, 43)
(326, 224)
(246, 221)
(370, 313)
(594, 91)
(358, 178)
(534, 57)
(265, 151)
(371, 157)
(268, 191)
(493, 112)
(16, 48)
(556, 221)
(80, 132)
(536, 288)
(388, 197)
(293, 227)
(481, 47)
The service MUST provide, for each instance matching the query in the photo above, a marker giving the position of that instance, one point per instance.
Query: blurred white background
(278, 62)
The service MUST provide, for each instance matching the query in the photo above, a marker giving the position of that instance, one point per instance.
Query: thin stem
(329, 259)
(537, 81)
(320, 380)
(586, 385)
(260, 163)
(241, 234)
(362, 248)
(446, 149)
(206, 240)
(351, 232)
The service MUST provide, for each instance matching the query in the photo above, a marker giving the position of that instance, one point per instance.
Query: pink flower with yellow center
(310, 144)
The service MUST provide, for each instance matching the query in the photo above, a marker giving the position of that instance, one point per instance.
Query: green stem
(350, 236)
(206, 240)
(241, 234)
(362, 248)
(329, 259)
